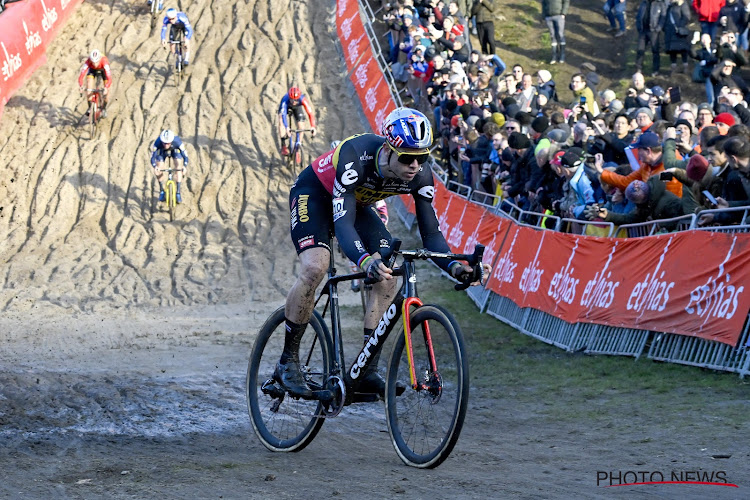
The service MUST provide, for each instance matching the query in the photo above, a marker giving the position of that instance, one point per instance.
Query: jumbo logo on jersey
(427, 191)
(349, 176)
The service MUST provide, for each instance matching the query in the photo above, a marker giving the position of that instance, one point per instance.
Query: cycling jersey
(349, 178)
(102, 69)
(286, 107)
(182, 23)
(160, 153)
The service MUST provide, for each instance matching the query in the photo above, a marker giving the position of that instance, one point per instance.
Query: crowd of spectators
(582, 152)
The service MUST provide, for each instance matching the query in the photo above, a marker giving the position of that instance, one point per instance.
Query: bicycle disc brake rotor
(433, 385)
(337, 387)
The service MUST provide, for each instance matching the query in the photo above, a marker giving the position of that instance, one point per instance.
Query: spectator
(649, 21)
(708, 14)
(546, 84)
(484, 11)
(676, 33)
(699, 176)
(728, 49)
(615, 11)
(723, 121)
(644, 117)
(637, 96)
(581, 90)
(616, 141)
(685, 141)
(736, 190)
(554, 12)
(580, 193)
(526, 96)
(733, 19)
(705, 54)
(705, 115)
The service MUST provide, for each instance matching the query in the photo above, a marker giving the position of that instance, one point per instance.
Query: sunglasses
(408, 158)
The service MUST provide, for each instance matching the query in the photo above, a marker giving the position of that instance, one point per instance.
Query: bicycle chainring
(336, 385)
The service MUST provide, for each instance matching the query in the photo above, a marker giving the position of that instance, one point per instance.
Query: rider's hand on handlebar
(466, 274)
(164, 43)
(313, 131)
(377, 270)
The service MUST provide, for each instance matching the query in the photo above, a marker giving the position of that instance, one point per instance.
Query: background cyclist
(339, 189)
(95, 65)
(177, 21)
(169, 146)
(295, 103)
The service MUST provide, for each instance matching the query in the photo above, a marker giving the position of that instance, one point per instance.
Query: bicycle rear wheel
(93, 111)
(425, 423)
(281, 422)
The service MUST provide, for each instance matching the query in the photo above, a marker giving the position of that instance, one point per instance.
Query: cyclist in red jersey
(95, 65)
(338, 192)
(297, 104)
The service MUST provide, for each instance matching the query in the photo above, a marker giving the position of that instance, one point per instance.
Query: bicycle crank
(337, 390)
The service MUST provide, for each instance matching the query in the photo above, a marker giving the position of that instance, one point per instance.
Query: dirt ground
(124, 338)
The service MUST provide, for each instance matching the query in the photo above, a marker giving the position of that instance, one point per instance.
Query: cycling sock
(292, 340)
(178, 186)
(161, 186)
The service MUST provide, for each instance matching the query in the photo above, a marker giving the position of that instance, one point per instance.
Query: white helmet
(95, 56)
(335, 144)
(171, 13)
(167, 136)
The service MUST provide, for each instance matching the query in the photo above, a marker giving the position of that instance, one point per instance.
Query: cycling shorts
(174, 30)
(97, 73)
(311, 219)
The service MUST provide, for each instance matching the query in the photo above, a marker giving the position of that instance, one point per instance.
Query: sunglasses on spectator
(408, 158)
(511, 127)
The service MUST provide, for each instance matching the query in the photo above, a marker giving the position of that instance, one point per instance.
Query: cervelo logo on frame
(33, 39)
(49, 18)
(365, 353)
(716, 297)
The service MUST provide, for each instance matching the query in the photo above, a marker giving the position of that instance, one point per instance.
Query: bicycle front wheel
(93, 110)
(426, 420)
(281, 422)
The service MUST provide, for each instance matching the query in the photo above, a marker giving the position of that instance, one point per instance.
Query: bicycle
(424, 422)
(94, 97)
(154, 12)
(296, 152)
(178, 52)
(170, 190)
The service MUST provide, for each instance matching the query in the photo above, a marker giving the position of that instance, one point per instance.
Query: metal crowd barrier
(378, 52)
(650, 228)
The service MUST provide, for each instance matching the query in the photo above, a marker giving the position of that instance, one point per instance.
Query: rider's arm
(349, 174)
(155, 151)
(164, 26)
(182, 17)
(179, 146)
(82, 74)
(284, 110)
(429, 228)
(309, 110)
(107, 73)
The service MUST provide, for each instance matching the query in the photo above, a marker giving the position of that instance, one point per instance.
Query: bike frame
(398, 310)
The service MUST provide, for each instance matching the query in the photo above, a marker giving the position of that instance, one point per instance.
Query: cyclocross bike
(297, 158)
(170, 190)
(428, 363)
(95, 99)
(154, 12)
(179, 48)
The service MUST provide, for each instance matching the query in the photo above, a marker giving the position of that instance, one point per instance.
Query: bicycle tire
(424, 425)
(298, 158)
(171, 199)
(295, 422)
(93, 110)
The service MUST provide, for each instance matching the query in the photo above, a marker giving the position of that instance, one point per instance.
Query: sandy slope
(81, 230)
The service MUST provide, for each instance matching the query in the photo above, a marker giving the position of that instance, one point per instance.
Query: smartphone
(675, 95)
(711, 198)
(666, 176)
(583, 100)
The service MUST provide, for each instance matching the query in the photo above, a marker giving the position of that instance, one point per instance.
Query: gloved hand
(591, 212)
(376, 270)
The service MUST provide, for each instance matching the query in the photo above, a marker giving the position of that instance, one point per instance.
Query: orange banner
(26, 29)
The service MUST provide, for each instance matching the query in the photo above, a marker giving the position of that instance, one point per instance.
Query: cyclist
(159, 6)
(294, 103)
(177, 21)
(170, 146)
(95, 65)
(336, 192)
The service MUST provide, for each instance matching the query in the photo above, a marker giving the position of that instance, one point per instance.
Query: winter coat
(708, 10)
(555, 8)
(484, 10)
(661, 204)
(677, 19)
(658, 12)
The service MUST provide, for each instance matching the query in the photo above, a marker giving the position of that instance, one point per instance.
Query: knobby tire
(295, 422)
(424, 426)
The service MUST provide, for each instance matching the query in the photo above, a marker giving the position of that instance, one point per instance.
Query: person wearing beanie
(685, 142)
(644, 117)
(699, 176)
(514, 186)
(705, 115)
(539, 125)
(498, 118)
(723, 121)
(465, 110)
(558, 136)
(546, 84)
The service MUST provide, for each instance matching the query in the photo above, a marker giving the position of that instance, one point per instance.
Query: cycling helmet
(95, 56)
(406, 128)
(171, 13)
(335, 144)
(167, 136)
(294, 93)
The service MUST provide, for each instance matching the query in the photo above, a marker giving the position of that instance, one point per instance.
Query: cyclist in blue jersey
(169, 146)
(177, 21)
(336, 193)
